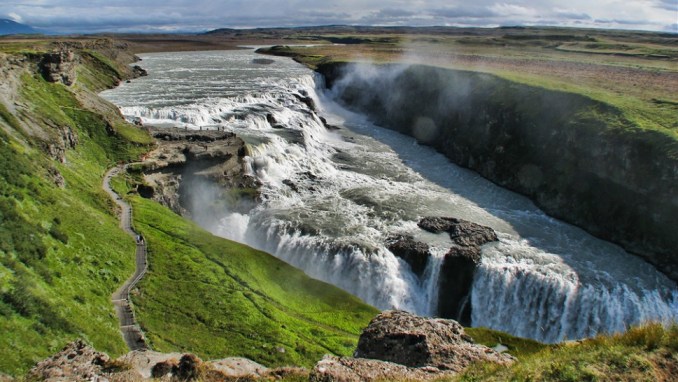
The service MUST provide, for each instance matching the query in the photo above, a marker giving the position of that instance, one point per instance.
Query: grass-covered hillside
(647, 353)
(62, 252)
(234, 300)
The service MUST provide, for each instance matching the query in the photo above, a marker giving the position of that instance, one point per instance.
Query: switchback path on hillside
(129, 328)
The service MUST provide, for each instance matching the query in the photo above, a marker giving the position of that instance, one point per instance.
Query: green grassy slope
(62, 253)
(58, 267)
(218, 298)
(647, 353)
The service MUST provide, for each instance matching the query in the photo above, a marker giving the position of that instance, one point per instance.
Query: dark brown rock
(138, 71)
(462, 232)
(417, 342)
(455, 282)
(163, 368)
(189, 367)
(415, 253)
(459, 265)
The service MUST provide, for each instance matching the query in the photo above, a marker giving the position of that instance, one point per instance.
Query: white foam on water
(329, 201)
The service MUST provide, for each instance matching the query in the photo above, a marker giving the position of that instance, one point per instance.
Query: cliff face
(198, 174)
(580, 160)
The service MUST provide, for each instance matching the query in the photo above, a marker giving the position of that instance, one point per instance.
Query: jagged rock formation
(415, 253)
(459, 264)
(400, 345)
(463, 233)
(59, 67)
(190, 164)
(579, 159)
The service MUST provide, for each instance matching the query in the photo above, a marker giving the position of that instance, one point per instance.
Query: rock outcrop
(347, 369)
(401, 346)
(59, 66)
(192, 171)
(415, 253)
(463, 233)
(459, 265)
(579, 159)
(78, 361)
(413, 341)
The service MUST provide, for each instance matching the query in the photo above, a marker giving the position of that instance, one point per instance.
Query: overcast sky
(82, 16)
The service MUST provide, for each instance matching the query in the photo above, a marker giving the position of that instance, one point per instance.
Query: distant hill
(12, 27)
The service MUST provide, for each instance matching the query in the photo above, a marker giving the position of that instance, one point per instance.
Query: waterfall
(330, 200)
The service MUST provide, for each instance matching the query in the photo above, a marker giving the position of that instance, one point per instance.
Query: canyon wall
(580, 160)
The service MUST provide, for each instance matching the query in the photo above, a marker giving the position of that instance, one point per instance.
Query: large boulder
(399, 346)
(419, 342)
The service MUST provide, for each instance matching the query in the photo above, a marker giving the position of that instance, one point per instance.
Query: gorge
(329, 200)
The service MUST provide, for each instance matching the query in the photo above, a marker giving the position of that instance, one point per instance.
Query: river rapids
(331, 198)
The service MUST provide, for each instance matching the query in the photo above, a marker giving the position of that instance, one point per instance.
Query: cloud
(669, 5)
(198, 15)
(571, 14)
(465, 12)
(15, 17)
(506, 9)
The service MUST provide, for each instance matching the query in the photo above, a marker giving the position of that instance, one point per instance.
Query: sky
(92, 16)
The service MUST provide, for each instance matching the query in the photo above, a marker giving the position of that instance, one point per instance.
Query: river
(331, 198)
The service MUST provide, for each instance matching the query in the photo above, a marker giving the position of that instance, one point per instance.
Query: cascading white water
(330, 200)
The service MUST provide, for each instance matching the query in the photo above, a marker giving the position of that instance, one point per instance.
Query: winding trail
(130, 329)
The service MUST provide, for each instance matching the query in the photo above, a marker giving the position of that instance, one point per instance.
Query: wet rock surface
(190, 164)
(415, 253)
(462, 232)
(456, 281)
(460, 263)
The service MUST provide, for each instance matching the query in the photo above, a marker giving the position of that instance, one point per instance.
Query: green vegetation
(57, 265)
(218, 298)
(518, 347)
(646, 353)
(62, 253)
(629, 71)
